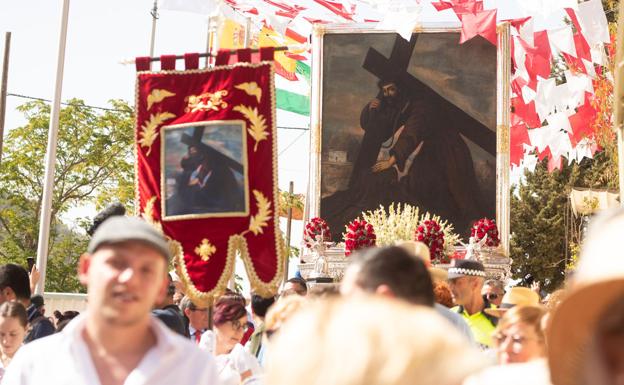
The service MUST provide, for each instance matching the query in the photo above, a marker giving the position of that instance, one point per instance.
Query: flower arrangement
(396, 224)
(430, 233)
(483, 227)
(400, 221)
(360, 234)
(313, 228)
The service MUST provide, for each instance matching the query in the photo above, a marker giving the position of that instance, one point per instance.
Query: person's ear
(385, 290)
(83, 268)
(187, 312)
(9, 294)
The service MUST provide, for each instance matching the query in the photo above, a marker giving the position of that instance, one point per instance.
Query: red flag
(518, 137)
(442, 5)
(581, 122)
(482, 23)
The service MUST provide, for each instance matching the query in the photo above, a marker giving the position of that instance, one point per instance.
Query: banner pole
(50, 161)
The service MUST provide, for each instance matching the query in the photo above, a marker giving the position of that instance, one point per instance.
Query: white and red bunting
(560, 34)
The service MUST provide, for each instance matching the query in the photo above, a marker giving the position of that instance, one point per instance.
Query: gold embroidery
(206, 101)
(258, 123)
(157, 96)
(261, 219)
(251, 88)
(148, 214)
(237, 242)
(205, 250)
(149, 131)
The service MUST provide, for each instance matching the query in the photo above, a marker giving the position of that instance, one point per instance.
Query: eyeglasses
(237, 326)
(491, 296)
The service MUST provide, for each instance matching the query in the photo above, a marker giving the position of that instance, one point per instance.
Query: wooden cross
(396, 66)
(195, 140)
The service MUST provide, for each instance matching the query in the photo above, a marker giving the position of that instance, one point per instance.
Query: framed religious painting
(423, 122)
(194, 154)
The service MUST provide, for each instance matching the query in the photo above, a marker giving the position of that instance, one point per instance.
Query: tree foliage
(94, 165)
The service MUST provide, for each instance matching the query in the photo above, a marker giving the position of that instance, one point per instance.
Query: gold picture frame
(498, 120)
(168, 177)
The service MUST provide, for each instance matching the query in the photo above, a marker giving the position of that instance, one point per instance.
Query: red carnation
(360, 234)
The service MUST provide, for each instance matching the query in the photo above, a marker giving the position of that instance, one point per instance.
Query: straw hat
(598, 282)
(421, 250)
(515, 296)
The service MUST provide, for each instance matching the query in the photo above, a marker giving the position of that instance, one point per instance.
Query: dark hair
(13, 309)
(406, 275)
(302, 283)
(260, 305)
(228, 310)
(15, 277)
(111, 210)
(63, 319)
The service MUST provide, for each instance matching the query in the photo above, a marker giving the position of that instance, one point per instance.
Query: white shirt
(64, 358)
(230, 366)
(533, 372)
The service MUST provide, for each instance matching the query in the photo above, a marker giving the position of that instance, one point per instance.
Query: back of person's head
(324, 291)
(405, 275)
(442, 294)
(229, 309)
(114, 209)
(362, 341)
(297, 285)
(15, 310)
(14, 283)
(282, 311)
(260, 305)
(64, 319)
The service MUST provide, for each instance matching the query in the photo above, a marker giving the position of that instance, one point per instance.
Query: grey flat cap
(119, 229)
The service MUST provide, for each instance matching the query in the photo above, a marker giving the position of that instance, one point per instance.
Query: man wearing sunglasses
(197, 318)
(493, 291)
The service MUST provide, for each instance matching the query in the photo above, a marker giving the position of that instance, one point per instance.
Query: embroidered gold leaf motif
(149, 130)
(251, 88)
(258, 123)
(157, 96)
(261, 219)
(205, 250)
(208, 101)
(148, 214)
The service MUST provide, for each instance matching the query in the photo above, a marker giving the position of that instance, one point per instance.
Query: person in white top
(13, 324)
(117, 341)
(234, 363)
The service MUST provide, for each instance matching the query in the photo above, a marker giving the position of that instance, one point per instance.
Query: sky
(100, 35)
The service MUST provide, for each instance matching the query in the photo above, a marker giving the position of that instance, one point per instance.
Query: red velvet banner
(207, 172)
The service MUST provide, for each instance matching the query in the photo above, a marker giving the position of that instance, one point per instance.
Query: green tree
(540, 218)
(94, 166)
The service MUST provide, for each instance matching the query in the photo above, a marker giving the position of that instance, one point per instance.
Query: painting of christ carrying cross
(408, 122)
(204, 170)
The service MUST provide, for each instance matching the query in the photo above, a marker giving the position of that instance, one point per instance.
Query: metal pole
(50, 161)
(618, 100)
(3, 88)
(209, 42)
(291, 188)
(154, 14)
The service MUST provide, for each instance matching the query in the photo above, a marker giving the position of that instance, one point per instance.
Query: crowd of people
(393, 319)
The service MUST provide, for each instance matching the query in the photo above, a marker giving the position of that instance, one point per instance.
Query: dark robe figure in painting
(412, 153)
(205, 185)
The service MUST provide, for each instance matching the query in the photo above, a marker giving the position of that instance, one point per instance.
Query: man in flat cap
(466, 279)
(116, 341)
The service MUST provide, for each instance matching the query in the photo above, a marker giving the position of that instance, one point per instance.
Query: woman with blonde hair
(13, 327)
(369, 341)
(520, 347)
(519, 336)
